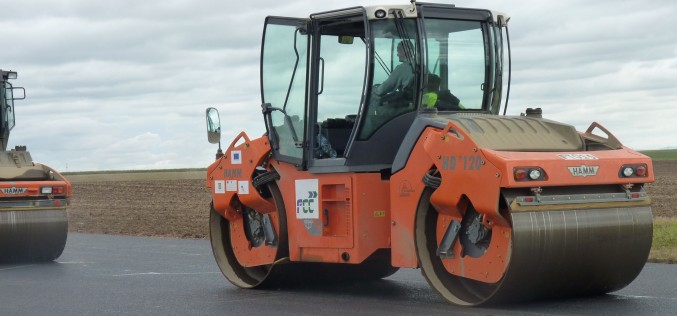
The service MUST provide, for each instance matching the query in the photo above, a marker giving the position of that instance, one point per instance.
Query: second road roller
(33, 196)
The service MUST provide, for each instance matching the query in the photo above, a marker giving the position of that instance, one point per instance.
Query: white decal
(243, 187)
(583, 171)
(236, 157)
(577, 157)
(219, 186)
(231, 185)
(14, 190)
(307, 204)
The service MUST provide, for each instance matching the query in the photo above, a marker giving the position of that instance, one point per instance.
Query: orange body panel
(347, 222)
(349, 219)
(229, 178)
(556, 166)
(407, 188)
(466, 178)
(19, 193)
(466, 175)
(489, 268)
(249, 256)
(33, 188)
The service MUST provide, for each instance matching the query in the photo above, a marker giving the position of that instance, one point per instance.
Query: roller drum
(576, 252)
(553, 253)
(32, 235)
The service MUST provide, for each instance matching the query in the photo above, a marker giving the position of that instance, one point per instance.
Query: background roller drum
(32, 236)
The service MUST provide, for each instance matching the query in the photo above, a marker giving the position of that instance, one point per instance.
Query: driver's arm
(390, 84)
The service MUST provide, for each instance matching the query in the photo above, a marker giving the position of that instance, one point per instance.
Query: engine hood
(515, 133)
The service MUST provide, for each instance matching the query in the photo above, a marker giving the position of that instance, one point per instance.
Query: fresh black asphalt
(122, 275)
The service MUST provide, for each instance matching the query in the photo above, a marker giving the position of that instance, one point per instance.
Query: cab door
(6, 111)
(284, 62)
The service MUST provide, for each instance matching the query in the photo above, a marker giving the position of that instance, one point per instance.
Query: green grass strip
(665, 154)
(664, 248)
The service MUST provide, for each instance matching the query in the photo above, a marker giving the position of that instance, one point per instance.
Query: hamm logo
(10, 191)
(583, 171)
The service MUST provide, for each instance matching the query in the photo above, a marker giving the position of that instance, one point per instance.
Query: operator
(401, 77)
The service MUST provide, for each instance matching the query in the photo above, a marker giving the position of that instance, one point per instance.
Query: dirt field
(663, 192)
(176, 204)
(144, 204)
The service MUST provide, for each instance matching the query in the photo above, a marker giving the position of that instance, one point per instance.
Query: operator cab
(7, 97)
(342, 89)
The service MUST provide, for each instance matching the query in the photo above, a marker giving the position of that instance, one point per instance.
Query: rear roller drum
(545, 254)
(247, 248)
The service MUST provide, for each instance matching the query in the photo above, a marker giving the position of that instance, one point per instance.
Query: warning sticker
(219, 186)
(231, 185)
(236, 157)
(307, 204)
(243, 187)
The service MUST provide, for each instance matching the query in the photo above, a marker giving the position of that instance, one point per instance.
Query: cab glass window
(455, 55)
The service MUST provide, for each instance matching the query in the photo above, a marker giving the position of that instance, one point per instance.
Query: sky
(123, 85)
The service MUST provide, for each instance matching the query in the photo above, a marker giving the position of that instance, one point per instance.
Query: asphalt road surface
(121, 275)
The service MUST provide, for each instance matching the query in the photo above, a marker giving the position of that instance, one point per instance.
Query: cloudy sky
(120, 85)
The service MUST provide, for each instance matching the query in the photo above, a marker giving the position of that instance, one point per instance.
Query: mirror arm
(219, 152)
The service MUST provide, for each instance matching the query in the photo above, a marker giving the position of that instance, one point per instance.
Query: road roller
(33, 196)
(387, 146)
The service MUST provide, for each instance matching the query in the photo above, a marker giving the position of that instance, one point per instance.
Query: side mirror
(213, 126)
(23, 93)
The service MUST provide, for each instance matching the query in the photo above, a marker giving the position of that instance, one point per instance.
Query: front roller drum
(247, 248)
(550, 254)
(32, 235)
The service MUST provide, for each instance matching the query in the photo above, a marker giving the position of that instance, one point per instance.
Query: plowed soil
(176, 204)
(146, 204)
(663, 192)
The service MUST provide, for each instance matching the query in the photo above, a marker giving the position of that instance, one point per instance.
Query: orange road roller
(385, 148)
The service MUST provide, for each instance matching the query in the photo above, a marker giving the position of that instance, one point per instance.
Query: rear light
(529, 174)
(58, 190)
(520, 174)
(633, 171)
(640, 171)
